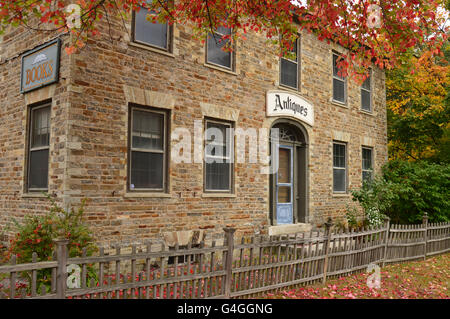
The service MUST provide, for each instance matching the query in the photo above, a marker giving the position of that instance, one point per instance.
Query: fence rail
(233, 269)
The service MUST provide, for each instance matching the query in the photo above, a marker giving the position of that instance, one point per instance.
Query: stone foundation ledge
(289, 229)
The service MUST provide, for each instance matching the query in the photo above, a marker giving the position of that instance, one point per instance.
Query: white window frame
(297, 62)
(370, 110)
(132, 149)
(341, 168)
(370, 171)
(168, 34)
(232, 53)
(336, 77)
(227, 158)
(40, 148)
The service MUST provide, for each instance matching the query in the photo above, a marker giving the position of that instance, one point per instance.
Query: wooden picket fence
(248, 267)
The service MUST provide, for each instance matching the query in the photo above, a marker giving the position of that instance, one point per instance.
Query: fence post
(328, 225)
(425, 224)
(61, 272)
(386, 239)
(229, 237)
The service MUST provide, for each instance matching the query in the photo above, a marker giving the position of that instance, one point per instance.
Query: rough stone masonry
(89, 136)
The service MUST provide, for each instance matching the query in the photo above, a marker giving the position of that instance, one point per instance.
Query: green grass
(429, 279)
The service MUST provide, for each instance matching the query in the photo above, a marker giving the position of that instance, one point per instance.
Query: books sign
(40, 67)
(282, 103)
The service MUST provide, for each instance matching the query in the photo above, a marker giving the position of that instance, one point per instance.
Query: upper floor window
(339, 83)
(289, 67)
(366, 94)
(215, 54)
(367, 163)
(148, 150)
(38, 148)
(339, 167)
(218, 154)
(153, 34)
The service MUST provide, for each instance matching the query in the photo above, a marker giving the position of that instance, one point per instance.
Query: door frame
(301, 213)
(290, 185)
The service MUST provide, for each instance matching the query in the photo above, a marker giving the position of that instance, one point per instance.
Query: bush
(405, 191)
(375, 198)
(354, 217)
(36, 234)
(419, 187)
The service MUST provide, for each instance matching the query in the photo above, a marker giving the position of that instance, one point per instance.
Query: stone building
(104, 123)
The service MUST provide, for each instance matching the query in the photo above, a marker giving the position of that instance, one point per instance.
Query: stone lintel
(149, 98)
(219, 112)
(367, 141)
(39, 95)
(341, 136)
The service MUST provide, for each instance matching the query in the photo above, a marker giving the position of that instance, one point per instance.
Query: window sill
(33, 195)
(147, 195)
(366, 112)
(152, 49)
(218, 68)
(341, 194)
(344, 105)
(218, 195)
(287, 88)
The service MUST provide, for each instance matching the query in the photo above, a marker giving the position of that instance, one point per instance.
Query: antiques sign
(40, 67)
(282, 103)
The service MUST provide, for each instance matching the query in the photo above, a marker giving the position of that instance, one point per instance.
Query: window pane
(146, 170)
(215, 53)
(338, 90)
(366, 84)
(213, 149)
(338, 155)
(365, 100)
(148, 130)
(335, 70)
(293, 51)
(284, 194)
(335, 67)
(148, 32)
(216, 132)
(38, 174)
(339, 180)
(217, 139)
(284, 169)
(217, 176)
(289, 73)
(366, 158)
(366, 175)
(41, 127)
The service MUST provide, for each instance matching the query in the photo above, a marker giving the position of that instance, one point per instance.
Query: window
(366, 94)
(38, 152)
(339, 83)
(148, 151)
(152, 34)
(215, 53)
(289, 68)
(367, 163)
(339, 168)
(218, 155)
